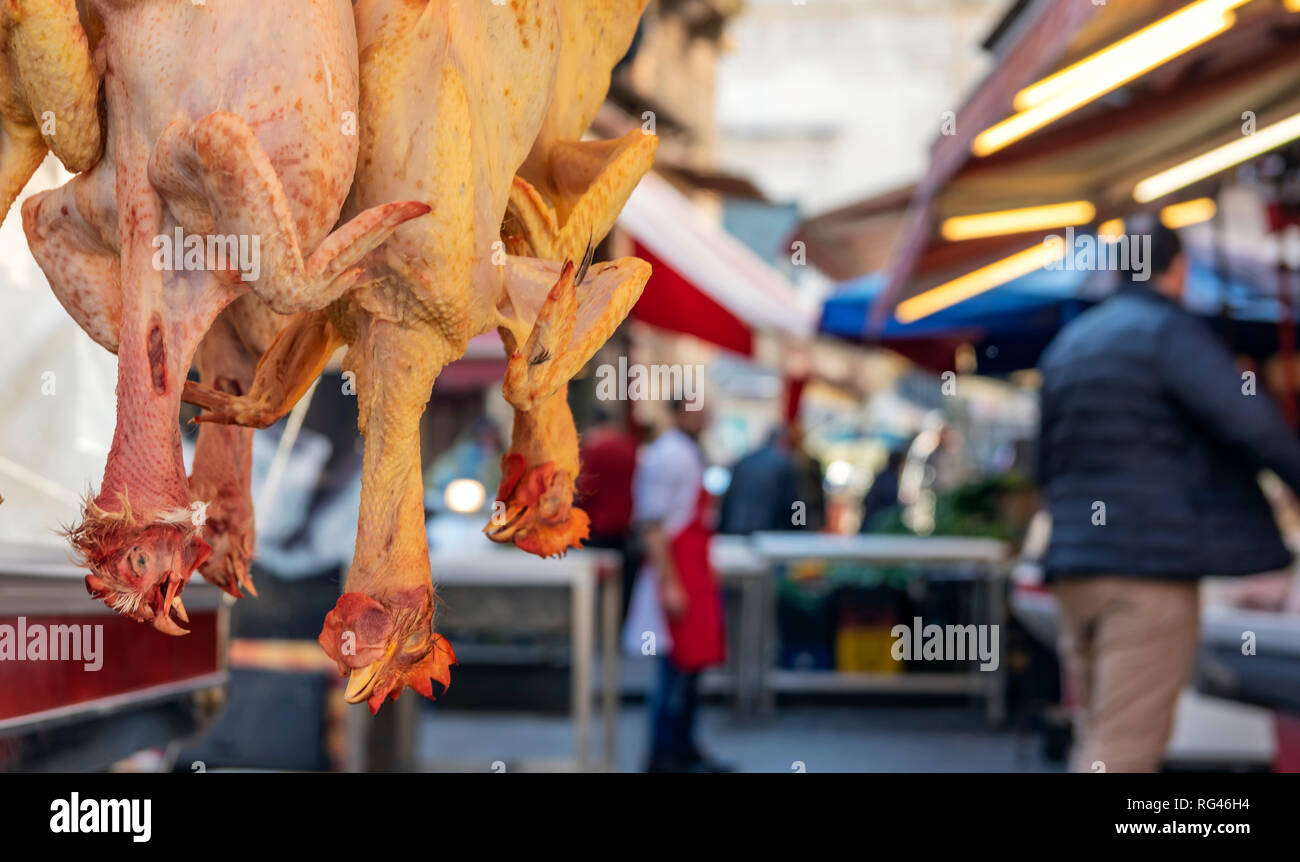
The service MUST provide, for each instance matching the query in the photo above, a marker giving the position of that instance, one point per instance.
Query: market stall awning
(1107, 130)
(1007, 329)
(853, 240)
(706, 283)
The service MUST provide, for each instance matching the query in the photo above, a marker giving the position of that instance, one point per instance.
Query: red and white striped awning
(706, 283)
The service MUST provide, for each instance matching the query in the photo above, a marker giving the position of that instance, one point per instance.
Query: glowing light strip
(985, 278)
(1218, 159)
(1191, 212)
(1106, 79)
(1021, 220)
(1157, 42)
(1110, 230)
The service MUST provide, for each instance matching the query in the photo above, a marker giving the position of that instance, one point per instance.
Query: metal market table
(140, 669)
(739, 566)
(983, 561)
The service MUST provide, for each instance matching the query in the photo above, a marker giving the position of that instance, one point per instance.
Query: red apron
(699, 636)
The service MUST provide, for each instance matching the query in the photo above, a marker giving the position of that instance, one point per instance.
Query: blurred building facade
(805, 89)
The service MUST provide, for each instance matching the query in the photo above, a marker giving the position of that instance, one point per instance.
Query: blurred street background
(839, 218)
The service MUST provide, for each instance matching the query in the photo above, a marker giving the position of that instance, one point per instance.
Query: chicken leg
(388, 607)
(221, 481)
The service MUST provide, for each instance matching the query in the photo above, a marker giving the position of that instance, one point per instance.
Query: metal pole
(611, 590)
(583, 643)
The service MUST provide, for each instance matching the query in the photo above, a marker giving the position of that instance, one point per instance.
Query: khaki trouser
(1128, 647)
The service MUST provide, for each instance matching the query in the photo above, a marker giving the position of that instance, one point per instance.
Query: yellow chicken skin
(48, 92)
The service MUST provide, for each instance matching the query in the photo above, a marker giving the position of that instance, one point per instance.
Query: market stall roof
(706, 283)
(855, 239)
(1100, 150)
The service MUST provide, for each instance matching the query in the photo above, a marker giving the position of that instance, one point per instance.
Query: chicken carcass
(567, 195)
(220, 484)
(466, 82)
(49, 92)
(470, 83)
(239, 167)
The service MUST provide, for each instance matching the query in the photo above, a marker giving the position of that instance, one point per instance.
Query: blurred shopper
(670, 507)
(605, 488)
(949, 465)
(812, 491)
(881, 500)
(764, 489)
(474, 454)
(1148, 453)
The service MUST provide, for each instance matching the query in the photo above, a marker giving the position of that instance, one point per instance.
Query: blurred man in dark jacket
(881, 501)
(1150, 443)
(764, 490)
(812, 493)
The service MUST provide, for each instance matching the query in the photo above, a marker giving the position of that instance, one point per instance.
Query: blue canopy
(1010, 325)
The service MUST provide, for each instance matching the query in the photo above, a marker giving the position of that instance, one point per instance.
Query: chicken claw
(385, 646)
